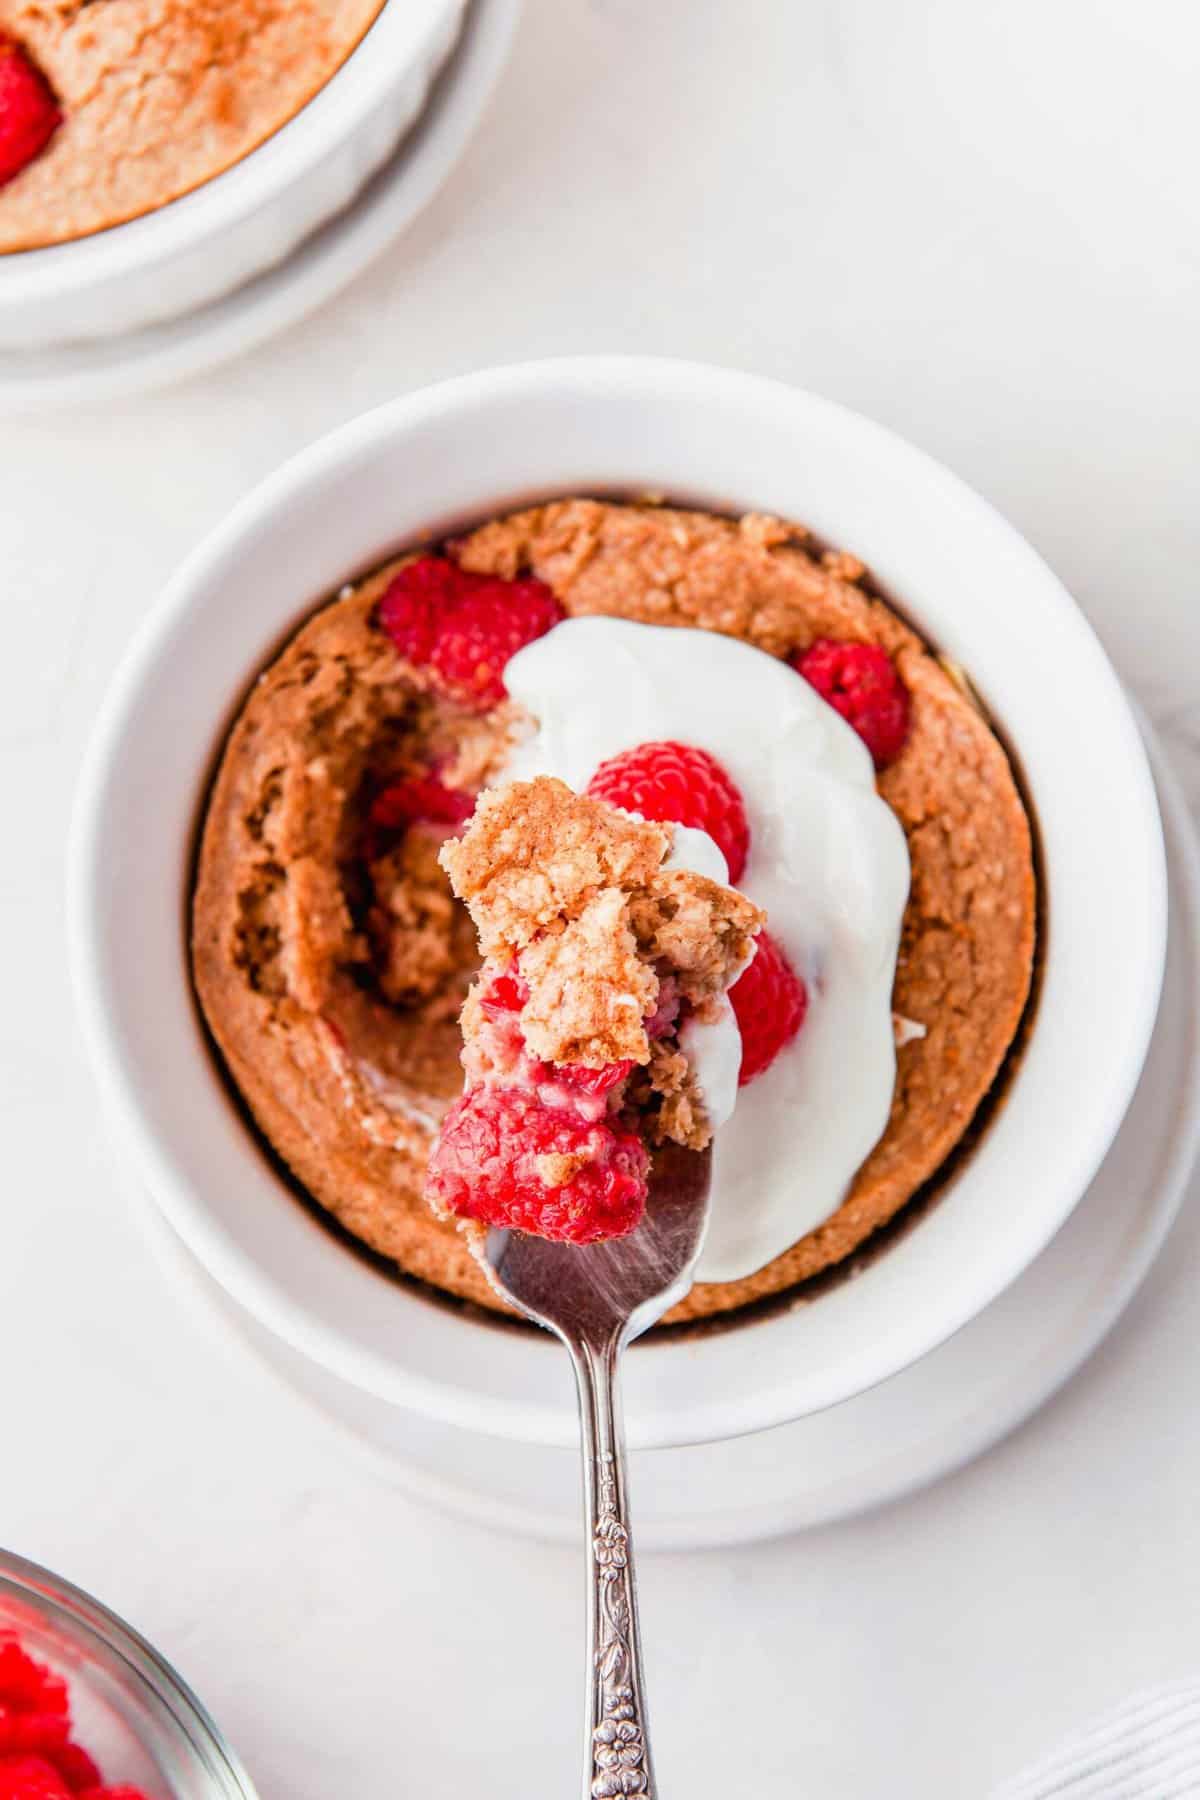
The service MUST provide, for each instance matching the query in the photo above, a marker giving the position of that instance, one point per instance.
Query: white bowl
(250, 217)
(464, 450)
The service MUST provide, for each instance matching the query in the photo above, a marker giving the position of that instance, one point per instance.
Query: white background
(976, 221)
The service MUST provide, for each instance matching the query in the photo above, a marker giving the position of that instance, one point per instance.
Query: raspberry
(501, 1051)
(464, 626)
(506, 993)
(30, 1778)
(27, 1686)
(38, 1761)
(769, 1001)
(593, 1082)
(676, 784)
(590, 1094)
(32, 1731)
(485, 1166)
(29, 113)
(861, 683)
(420, 800)
(415, 600)
(75, 1766)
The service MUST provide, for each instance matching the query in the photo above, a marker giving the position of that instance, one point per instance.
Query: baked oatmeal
(144, 100)
(332, 959)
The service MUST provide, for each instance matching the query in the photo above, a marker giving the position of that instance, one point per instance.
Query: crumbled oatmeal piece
(579, 892)
(536, 853)
(596, 954)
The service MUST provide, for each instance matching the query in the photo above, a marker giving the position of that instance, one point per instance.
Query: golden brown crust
(159, 96)
(967, 950)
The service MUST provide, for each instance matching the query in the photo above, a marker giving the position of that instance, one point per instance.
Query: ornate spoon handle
(617, 1749)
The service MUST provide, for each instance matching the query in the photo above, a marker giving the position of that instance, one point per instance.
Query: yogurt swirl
(828, 862)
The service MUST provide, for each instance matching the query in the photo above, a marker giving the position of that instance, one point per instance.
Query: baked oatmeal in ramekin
(128, 105)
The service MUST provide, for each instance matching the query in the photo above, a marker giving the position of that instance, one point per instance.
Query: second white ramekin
(247, 219)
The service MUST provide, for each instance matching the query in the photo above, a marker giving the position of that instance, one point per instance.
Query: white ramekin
(463, 450)
(247, 219)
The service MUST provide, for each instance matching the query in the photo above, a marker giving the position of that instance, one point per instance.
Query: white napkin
(1147, 1749)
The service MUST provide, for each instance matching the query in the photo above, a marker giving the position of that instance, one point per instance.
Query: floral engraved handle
(617, 1752)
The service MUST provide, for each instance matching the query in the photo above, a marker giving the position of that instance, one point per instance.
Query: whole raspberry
(31, 1778)
(861, 683)
(415, 599)
(32, 1732)
(677, 784)
(769, 1001)
(507, 1160)
(419, 800)
(27, 1686)
(464, 626)
(75, 1766)
(29, 113)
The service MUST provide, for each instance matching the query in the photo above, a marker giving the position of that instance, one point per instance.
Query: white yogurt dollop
(828, 862)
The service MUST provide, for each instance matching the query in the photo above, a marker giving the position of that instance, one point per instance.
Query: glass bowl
(129, 1708)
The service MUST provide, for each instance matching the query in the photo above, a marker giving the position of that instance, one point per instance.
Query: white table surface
(977, 222)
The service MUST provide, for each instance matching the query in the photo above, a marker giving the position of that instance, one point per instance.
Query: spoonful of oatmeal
(600, 1051)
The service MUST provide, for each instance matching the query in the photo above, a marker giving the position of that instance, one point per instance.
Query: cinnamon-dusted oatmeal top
(579, 889)
(159, 96)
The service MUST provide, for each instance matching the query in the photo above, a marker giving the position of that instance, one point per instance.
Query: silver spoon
(598, 1298)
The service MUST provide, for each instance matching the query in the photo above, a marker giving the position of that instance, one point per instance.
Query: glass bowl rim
(81, 1611)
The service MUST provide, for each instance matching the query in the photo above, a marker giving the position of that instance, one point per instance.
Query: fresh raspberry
(416, 599)
(29, 113)
(769, 1001)
(38, 1732)
(464, 626)
(485, 1165)
(495, 621)
(28, 1686)
(74, 1765)
(420, 800)
(30, 1778)
(677, 784)
(861, 683)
